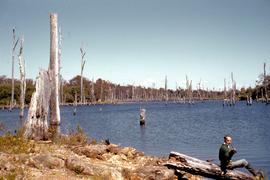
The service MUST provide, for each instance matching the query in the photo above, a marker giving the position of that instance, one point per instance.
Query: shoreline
(71, 156)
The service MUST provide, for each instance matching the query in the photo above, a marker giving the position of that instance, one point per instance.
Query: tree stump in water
(36, 124)
(46, 95)
(142, 117)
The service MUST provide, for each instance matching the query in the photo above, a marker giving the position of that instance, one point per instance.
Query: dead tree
(82, 68)
(190, 93)
(36, 124)
(75, 104)
(14, 44)
(166, 91)
(54, 72)
(225, 94)
(199, 90)
(46, 95)
(182, 163)
(187, 87)
(59, 65)
(22, 79)
(93, 99)
(232, 91)
(265, 83)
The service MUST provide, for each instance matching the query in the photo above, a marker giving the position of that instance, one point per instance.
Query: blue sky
(139, 42)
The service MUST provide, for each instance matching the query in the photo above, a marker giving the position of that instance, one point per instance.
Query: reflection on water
(196, 130)
(142, 133)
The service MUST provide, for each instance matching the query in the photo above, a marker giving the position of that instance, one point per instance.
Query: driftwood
(36, 124)
(182, 162)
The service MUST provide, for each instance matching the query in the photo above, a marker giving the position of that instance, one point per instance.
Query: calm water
(196, 130)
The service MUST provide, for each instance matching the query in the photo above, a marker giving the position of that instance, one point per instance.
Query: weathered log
(182, 162)
(36, 126)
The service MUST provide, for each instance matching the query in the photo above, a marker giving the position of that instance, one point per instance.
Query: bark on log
(195, 166)
(36, 124)
(54, 72)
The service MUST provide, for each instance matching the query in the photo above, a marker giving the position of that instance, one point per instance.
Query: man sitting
(225, 155)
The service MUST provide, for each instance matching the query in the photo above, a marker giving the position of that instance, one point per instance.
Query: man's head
(227, 139)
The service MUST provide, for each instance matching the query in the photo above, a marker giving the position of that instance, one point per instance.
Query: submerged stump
(142, 117)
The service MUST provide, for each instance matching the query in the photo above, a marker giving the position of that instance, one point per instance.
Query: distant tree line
(102, 91)
(5, 90)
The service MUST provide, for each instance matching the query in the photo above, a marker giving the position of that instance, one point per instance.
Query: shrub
(74, 138)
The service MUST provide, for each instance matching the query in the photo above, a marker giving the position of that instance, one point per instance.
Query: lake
(195, 130)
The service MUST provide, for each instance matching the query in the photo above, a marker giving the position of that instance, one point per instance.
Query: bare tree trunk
(54, 72)
(36, 124)
(61, 90)
(233, 90)
(22, 79)
(75, 104)
(225, 94)
(59, 65)
(12, 70)
(101, 90)
(93, 99)
(166, 91)
(46, 95)
(82, 68)
(265, 83)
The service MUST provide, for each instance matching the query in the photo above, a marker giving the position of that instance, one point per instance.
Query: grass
(14, 144)
(78, 137)
(12, 175)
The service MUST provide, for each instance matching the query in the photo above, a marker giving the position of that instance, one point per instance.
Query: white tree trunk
(82, 68)
(54, 72)
(22, 79)
(46, 95)
(36, 124)
(12, 70)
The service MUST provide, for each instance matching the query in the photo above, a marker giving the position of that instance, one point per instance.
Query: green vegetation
(5, 90)
(9, 176)
(78, 137)
(14, 143)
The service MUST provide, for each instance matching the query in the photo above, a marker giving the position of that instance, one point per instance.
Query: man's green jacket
(225, 155)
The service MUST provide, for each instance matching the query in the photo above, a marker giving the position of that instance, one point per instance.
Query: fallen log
(182, 162)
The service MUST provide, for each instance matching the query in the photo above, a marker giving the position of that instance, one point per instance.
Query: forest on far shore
(102, 91)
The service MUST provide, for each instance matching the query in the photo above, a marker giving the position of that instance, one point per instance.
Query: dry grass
(15, 144)
(74, 138)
